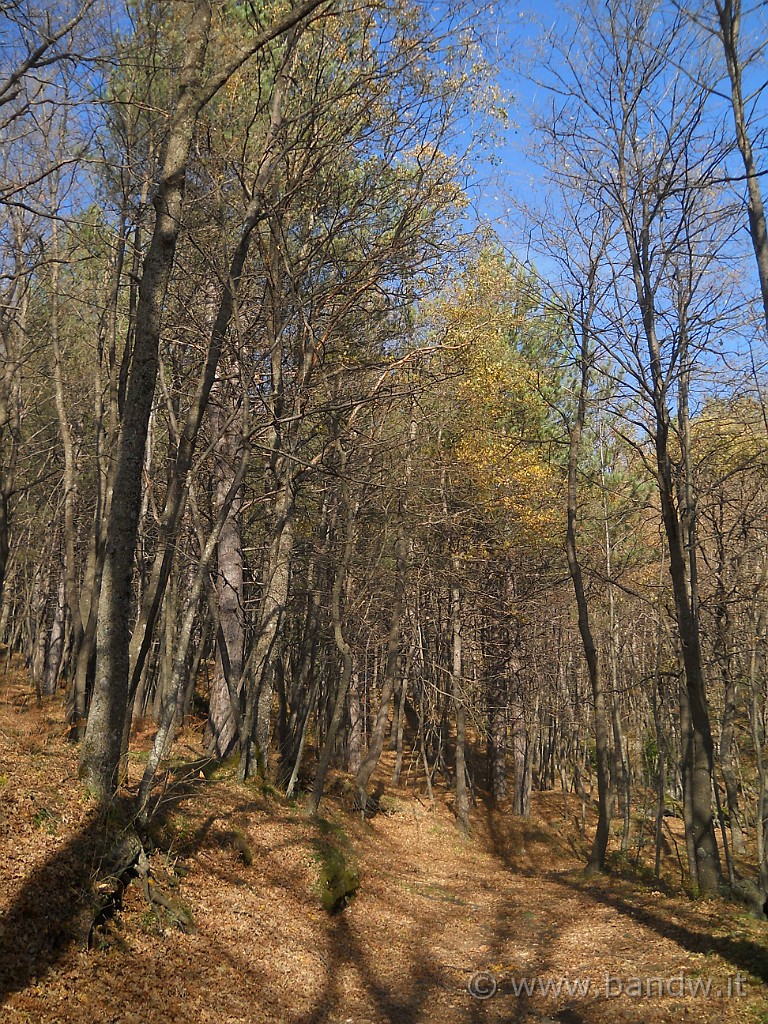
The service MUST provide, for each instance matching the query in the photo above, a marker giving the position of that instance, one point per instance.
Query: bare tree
(634, 139)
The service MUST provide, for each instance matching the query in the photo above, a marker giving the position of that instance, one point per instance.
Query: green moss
(391, 805)
(339, 875)
(219, 771)
(239, 841)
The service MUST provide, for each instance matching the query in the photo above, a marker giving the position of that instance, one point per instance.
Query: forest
(384, 422)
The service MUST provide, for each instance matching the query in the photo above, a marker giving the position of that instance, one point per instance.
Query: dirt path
(550, 943)
(437, 914)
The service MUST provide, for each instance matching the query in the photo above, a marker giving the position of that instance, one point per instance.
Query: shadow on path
(52, 909)
(744, 954)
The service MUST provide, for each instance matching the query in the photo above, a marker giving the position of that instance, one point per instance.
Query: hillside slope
(433, 910)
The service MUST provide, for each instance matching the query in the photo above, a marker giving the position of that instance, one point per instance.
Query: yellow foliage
(495, 411)
(729, 438)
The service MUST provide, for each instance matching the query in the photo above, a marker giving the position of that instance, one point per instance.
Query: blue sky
(520, 26)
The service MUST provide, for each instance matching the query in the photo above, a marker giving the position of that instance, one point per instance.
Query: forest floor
(437, 917)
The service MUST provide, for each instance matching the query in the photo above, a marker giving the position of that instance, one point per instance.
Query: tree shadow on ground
(55, 905)
(743, 954)
(52, 909)
(410, 1000)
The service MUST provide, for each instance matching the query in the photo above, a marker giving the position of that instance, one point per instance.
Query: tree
(729, 18)
(41, 61)
(103, 741)
(584, 362)
(633, 139)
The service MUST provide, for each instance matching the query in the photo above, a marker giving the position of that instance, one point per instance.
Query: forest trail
(437, 914)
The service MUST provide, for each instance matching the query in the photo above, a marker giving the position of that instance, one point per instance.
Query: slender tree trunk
(67, 443)
(620, 775)
(521, 753)
(14, 307)
(221, 729)
(355, 740)
(727, 760)
(6, 489)
(303, 729)
(221, 320)
(680, 530)
(462, 798)
(342, 644)
(729, 16)
(376, 742)
(107, 423)
(399, 723)
(109, 708)
(758, 620)
(254, 743)
(688, 766)
(499, 684)
(38, 626)
(55, 652)
(174, 694)
(599, 847)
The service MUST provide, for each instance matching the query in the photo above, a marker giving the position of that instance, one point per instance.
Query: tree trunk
(220, 322)
(728, 766)
(498, 712)
(680, 531)
(174, 695)
(706, 871)
(342, 645)
(376, 742)
(462, 798)
(38, 626)
(687, 765)
(109, 708)
(729, 16)
(355, 740)
(254, 743)
(221, 729)
(55, 652)
(101, 752)
(14, 308)
(598, 853)
(521, 753)
(72, 588)
(758, 619)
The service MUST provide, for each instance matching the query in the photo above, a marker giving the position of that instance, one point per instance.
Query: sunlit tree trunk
(221, 730)
(600, 844)
(102, 745)
(459, 708)
(729, 18)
